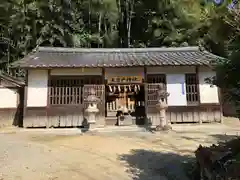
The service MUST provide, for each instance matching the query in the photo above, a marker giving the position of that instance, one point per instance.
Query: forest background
(214, 25)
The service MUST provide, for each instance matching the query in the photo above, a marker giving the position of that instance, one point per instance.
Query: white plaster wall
(76, 71)
(175, 78)
(8, 98)
(208, 93)
(37, 88)
(110, 72)
(171, 70)
(177, 88)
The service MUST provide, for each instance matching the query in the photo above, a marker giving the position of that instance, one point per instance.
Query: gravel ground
(25, 156)
(27, 160)
(104, 156)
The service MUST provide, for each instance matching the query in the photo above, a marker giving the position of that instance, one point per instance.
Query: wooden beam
(198, 90)
(48, 97)
(25, 97)
(145, 94)
(104, 81)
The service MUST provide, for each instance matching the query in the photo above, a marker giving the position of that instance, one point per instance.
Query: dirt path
(25, 156)
(105, 156)
(21, 159)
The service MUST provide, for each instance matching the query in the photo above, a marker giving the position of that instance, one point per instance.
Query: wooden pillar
(198, 90)
(105, 104)
(25, 98)
(20, 106)
(48, 121)
(145, 94)
(220, 104)
(103, 76)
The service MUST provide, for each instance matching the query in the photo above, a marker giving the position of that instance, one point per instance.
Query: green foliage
(25, 24)
(224, 38)
(95, 23)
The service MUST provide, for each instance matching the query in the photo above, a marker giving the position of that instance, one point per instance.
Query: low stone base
(126, 120)
(92, 127)
(164, 128)
(167, 128)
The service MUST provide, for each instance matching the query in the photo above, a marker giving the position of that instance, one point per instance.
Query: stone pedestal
(162, 123)
(125, 120)
(162, 114)
(91, 111)
(123, 117)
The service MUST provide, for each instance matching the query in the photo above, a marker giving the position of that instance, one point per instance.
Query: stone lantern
(92, 109)
(162, 106)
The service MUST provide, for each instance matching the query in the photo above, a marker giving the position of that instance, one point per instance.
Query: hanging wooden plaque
(124, 79)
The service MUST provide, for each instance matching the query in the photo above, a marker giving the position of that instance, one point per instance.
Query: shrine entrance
(125, 101)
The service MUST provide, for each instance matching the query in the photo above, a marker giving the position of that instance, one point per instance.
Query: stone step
(121, 129)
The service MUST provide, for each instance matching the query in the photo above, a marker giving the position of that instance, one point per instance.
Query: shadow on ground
(224, 137)
(211, 138)
(151, 165)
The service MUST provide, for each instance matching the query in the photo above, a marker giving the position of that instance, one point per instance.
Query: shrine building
(58, 81)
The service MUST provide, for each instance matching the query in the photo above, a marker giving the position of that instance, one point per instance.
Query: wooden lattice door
(151, 100)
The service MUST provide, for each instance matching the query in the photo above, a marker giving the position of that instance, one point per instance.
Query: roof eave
(14, 82)
(124, 66)
(25, 62)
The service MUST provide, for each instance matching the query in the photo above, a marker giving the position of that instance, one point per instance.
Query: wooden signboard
(124, 79)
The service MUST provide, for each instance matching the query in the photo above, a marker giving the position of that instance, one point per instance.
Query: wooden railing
(65, 95)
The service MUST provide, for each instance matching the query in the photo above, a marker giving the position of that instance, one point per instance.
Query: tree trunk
(99, 26)
(125, 8)
(89, 20)
(130, 10)
(125, 24)
(120, 22)
(8, 54)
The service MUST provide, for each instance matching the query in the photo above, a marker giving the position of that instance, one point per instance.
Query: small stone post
(162, 105)
(92, 109)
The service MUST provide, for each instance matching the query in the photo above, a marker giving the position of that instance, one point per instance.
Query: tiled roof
(13, 80)
(49, 57)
